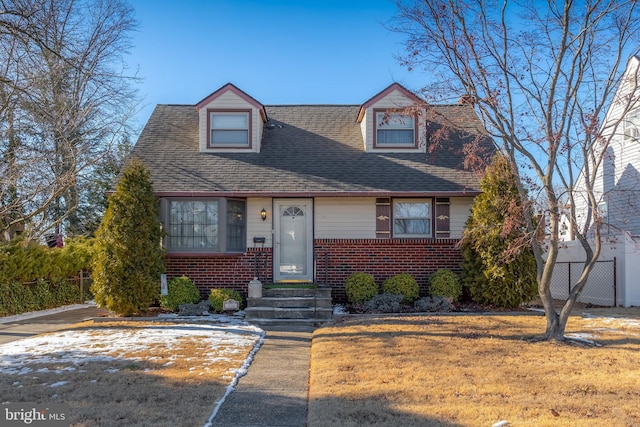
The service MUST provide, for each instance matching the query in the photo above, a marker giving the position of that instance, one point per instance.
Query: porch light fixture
(263, 214)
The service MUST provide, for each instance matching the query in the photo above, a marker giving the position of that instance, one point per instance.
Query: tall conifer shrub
(499, 265)
(128, 256)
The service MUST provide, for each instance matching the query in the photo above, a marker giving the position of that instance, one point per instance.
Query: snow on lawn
(77, 347)
(74, 348)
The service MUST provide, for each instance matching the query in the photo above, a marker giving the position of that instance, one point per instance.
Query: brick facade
(335, 259)
(384, 258)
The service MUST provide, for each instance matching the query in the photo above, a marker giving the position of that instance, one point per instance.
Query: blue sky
(278, 51)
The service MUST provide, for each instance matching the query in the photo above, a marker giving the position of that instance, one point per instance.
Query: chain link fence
(601, 287)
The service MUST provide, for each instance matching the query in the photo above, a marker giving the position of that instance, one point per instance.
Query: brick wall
(336, 259)
(383, 258)
(222, 271)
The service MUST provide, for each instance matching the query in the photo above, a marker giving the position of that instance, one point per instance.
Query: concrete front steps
(305, 306)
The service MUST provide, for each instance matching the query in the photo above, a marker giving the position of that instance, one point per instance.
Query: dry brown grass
(474, 370)
(165, 384)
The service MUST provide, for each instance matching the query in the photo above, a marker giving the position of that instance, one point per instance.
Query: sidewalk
(25, 325)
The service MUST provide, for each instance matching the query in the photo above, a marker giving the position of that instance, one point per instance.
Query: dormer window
(229, 128)
(394, 130)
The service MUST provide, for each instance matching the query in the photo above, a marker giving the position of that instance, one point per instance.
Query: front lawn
(475, 370)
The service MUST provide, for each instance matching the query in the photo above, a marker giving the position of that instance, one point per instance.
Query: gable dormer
(387, 124)
(230, 121)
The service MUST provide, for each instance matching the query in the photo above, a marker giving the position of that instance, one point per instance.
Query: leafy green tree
(499, 268)
(128, 256)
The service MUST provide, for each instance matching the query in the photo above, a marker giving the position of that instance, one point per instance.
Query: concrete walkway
(273, 392)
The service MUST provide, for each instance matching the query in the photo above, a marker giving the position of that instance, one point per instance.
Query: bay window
(204, 225)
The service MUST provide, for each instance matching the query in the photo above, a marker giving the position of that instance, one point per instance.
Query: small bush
(432, 304)
(360, 287)
(403, 284)
(384, 303)
(217, 297)
(445, 284)
(181, 290)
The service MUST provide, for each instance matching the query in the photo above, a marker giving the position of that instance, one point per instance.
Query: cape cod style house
(309, 193)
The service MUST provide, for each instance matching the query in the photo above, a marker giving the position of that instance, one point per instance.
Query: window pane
(411, 218)
(240, 137)
(235, 225)
(394, 121)
(193, 225)
(411, 226)
(229, 121)
(395, 137)
(411, 210)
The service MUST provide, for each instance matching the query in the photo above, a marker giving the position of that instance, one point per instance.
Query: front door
(293, 238)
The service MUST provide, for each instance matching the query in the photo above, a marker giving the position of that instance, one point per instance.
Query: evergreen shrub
(444, 283)
(218, 296)
(128, 257)
(403, 284)
(181, 290)
(432, 304)
(360, 287)
(384, 303)
(15, 298)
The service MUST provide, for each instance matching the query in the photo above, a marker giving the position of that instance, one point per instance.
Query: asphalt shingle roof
(317, 149)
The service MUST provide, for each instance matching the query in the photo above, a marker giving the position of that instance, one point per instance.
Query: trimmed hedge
(181, 290)
(26, 261)
(360, 287)
(402, 284)
(444, 283)
(17, 298)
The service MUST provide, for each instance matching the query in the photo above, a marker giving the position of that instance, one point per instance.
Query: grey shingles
(318, 149)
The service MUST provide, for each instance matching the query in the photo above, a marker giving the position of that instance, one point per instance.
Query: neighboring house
(617, 190)
(617, 185)
(309, 193)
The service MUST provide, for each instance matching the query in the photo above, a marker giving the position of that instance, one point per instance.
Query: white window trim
(378, 118)
(215, 111)
(429, 219)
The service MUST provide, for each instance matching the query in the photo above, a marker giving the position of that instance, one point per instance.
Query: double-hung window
(395, 130)
(632, 126)
(412, 218)
(205, 225)
(229, 128)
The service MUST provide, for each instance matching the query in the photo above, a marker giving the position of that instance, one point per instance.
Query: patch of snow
(585, 338)
(339, 309)
(59, 383)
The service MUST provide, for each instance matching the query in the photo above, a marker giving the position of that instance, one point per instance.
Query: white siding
(395, 99)
(345, 218)
(229, 100)
(256, 227)
(618, 178)
(460, 209)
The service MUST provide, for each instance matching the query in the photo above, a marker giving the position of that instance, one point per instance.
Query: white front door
(293, 238)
